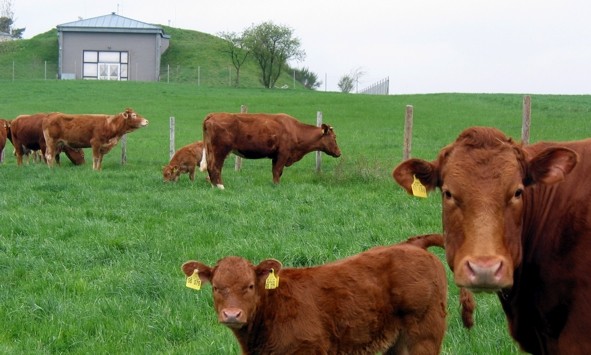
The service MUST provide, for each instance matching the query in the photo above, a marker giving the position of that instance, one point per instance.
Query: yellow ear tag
(272, 281)
(193, 281)
(418, 189)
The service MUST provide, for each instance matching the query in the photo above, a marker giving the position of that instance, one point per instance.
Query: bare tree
(346, 83)
(272, 46)
(7, 20)
(236, 49)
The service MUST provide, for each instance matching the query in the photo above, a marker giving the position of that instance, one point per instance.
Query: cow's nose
(231, 315)
(490, 273)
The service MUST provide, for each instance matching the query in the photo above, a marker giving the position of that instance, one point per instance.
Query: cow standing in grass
(99, 132)
(388, 299)
(26, 135)
(184, 160)
(279, 137)
(517, 221)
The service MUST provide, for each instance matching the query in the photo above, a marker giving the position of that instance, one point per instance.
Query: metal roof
(110, 23)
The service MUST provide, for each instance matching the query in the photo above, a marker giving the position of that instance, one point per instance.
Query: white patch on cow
(203, 163)
(220, 186)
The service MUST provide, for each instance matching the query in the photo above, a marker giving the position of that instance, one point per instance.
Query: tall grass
(90, 261)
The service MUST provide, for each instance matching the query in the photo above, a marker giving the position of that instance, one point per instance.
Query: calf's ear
(204, 271)
(404, 174)
(552, 165)
(265, 266)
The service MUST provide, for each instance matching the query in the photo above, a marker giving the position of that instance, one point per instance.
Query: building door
(108, 71)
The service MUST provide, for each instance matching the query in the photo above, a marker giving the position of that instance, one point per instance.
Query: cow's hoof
(220, 186)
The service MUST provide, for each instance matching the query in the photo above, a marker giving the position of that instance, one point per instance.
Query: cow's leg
(424, 336)
(50, 151)
(192, 173)
(18, 151)
(215, 163)
(96, 157)
(278, 165)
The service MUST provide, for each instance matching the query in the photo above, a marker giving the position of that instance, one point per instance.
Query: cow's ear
(326, 129)
(264, 267)
(205, 272)
(405, 174)
(551, 165)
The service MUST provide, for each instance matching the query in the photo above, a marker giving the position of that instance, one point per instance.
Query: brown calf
(184, 160)
(99, 132)
(390, 299)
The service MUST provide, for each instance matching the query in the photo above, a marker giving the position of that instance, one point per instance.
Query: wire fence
(200, 75)
(382, 87)
(34, 70)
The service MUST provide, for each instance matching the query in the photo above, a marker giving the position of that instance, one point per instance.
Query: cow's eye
(251, 287)
(518, 193)
(447, 194)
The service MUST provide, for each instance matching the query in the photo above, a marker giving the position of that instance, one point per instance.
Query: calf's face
(171, 173)
(237, 287)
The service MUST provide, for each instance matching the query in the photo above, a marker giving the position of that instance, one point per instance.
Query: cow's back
(76, 130)
(369, 302)
(27, 130)
(249, 135)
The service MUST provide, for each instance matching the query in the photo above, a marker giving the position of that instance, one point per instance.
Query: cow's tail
(203, 163)
(427, 240)
(467, 301)
(468, 305)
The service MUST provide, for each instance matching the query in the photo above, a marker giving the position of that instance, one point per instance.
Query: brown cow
(185, 160)
(279, 137)
(517, 221)
(389, 298)
(4, 133)
(27, 135)
(99, 132)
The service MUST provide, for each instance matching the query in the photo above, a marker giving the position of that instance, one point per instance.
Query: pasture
(90, 261)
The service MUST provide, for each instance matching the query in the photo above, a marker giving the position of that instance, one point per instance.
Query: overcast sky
(423, 46)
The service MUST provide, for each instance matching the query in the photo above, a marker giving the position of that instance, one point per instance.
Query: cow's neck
(116, 126)
(254, 336)
(308, 137)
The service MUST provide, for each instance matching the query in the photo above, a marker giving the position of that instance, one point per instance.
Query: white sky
(423, 46)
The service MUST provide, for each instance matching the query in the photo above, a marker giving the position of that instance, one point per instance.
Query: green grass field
(90, 261)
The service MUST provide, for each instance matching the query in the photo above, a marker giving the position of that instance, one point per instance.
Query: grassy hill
(192, 57)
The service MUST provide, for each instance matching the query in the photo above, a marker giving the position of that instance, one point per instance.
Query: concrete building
(110, 47)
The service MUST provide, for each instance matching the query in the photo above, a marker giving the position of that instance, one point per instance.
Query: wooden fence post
(408, 120)
(238, 161)
(171, 125)
(526, 121)
(318, 153)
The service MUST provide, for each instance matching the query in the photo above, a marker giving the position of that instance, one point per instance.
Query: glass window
(90, 56)
(90, 70)
(109, 57)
